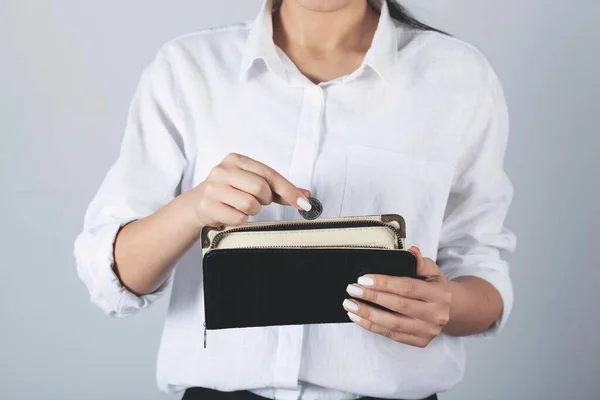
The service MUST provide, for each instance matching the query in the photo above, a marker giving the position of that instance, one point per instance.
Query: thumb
(279, 200)
(305, 192)
(426, 268)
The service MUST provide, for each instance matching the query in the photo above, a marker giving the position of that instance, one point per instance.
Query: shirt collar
(260, 46)
(384, 48)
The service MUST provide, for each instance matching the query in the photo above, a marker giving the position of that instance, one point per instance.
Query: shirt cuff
(503, 285)
(94, 254)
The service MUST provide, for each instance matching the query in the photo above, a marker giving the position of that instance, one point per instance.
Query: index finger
(402, 286)
(286, 193)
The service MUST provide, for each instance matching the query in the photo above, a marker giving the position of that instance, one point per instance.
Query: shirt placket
(308, 135)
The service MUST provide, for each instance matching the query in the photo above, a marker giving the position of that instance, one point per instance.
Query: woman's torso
(381, 140)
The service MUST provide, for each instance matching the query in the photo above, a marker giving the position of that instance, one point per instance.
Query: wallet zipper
(324, 246)
(303, 226)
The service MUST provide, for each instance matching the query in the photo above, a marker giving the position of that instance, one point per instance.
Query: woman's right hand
(237, 188)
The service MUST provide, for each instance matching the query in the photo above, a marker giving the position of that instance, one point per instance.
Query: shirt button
(315, 94)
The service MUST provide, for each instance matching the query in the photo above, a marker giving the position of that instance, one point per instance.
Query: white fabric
(420, 129)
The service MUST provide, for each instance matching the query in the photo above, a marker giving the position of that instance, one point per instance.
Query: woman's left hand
(419, 308)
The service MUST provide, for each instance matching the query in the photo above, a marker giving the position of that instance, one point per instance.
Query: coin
(315, 211)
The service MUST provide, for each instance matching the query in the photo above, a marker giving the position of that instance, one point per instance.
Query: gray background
(68, 70)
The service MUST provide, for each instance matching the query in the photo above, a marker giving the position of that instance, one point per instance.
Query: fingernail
(366, 281)
(354, 290)
(304, 204)
(354, 317)
(350, 305)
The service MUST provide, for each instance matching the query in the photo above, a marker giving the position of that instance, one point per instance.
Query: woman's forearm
(476, 305)
(147, 249)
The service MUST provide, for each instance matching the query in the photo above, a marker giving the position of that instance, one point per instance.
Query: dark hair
(401, 14)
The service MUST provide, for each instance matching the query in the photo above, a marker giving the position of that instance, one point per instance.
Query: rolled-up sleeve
(474, 240)
(145, 177)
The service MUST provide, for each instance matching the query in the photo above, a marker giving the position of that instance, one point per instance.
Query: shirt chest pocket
(381, 181)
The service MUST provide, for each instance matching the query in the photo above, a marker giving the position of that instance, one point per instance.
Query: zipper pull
(204, 334)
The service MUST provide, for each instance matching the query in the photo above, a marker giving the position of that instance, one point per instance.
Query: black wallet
(296, 272)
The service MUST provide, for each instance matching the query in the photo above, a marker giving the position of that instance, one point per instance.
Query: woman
(352, 102)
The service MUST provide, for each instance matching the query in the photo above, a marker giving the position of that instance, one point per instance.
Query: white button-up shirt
(420, 129)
